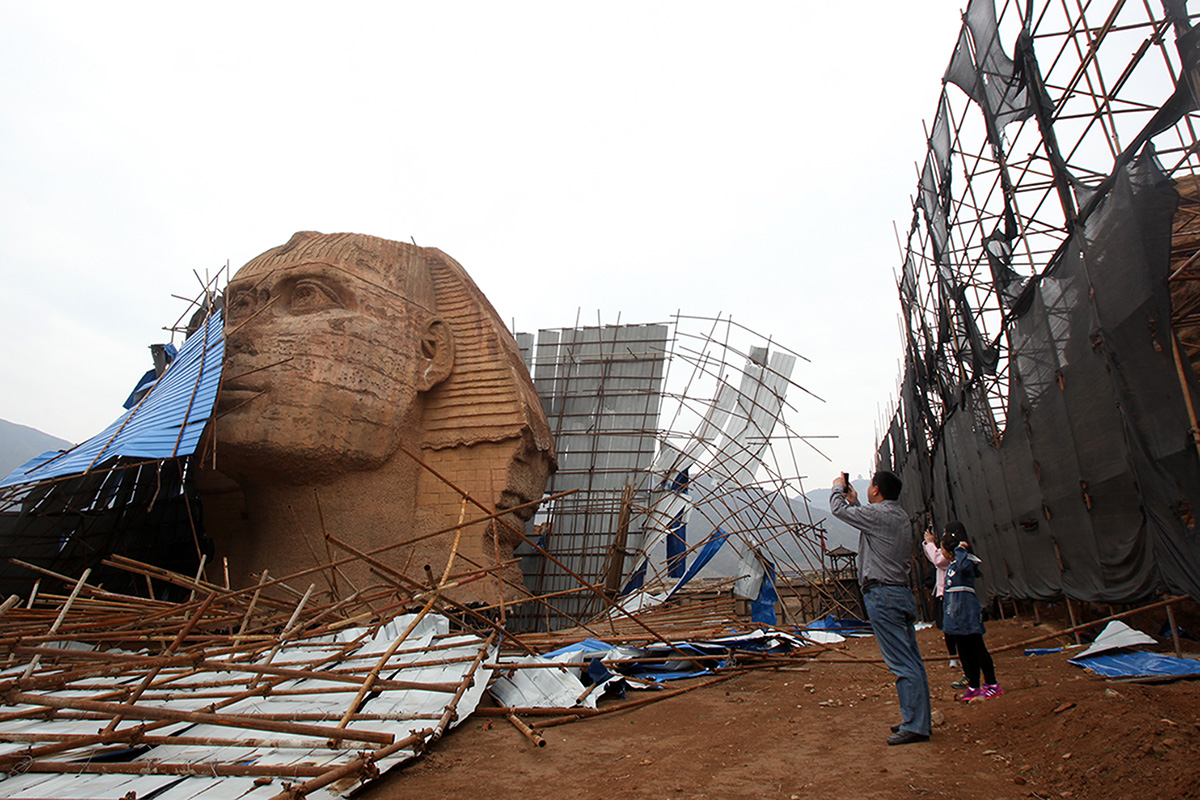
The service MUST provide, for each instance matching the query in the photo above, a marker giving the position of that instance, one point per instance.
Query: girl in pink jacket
(940, 560)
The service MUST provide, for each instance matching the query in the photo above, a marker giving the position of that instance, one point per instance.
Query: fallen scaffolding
(232, 693)
(141, 679)
(677, 444)
(264, 692)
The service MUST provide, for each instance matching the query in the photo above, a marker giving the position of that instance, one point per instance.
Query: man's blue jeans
(892, 612)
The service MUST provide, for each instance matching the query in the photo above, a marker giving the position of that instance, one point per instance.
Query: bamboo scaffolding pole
(363, 765)
(526, 731)
(253, 602)
(150, 676)
(205, 769)
(657, 696)
(93, 591)
(582, 581)
(185, 582)
(287, 631)
(200, 717)
(387, 573)
(373, 675)
(61, 615)
(135, 736)
(304, 716)
(532, 711)
(9, 604)
(1075, 629)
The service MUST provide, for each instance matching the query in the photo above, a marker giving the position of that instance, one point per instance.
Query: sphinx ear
(436, 356)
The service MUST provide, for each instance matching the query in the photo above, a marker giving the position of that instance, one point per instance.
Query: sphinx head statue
(366, 381)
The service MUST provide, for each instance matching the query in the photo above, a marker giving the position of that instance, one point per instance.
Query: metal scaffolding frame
(1027, 158)
(993, 195)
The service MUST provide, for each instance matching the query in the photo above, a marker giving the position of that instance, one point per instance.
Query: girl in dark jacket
(963, 616)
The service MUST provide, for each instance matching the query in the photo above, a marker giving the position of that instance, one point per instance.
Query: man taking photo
(883, 573)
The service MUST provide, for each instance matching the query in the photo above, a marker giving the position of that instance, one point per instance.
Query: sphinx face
(320, 374)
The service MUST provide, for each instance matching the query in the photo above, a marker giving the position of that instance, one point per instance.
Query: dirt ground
(818, 730)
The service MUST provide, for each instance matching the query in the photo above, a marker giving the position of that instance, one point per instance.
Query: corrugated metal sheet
(165, 424)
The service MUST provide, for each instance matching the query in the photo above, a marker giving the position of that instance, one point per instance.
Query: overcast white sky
(631, 159)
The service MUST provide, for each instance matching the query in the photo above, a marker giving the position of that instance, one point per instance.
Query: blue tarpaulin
(584, 646)
(636, 581)
(166, 423)
(1138, 664)
(762, 610)
(677, 530)
(706, 553)
(1042, 651)
(832, 623)
(677, 546)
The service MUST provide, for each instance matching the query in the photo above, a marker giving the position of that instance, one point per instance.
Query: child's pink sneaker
(971, 694)
(990, 690)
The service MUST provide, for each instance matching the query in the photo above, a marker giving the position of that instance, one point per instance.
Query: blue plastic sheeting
(760, 641)
(832, 623)
(636, 581)
(1042, 651)
(679, 668)
(687, 659)
(1138, 664)
(165, 424)
(584, 646)
(677, 531)
(677, 546)
(706, 553)
(596, 672)
(762, 609)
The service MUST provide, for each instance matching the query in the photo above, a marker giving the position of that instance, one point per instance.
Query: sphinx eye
(242, 303)
(310, 295)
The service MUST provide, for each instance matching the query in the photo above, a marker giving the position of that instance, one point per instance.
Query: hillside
(19, 443)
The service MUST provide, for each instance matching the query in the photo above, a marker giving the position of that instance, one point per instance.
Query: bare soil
(818, 731)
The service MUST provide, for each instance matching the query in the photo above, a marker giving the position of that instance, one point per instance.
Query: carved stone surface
(358, 371)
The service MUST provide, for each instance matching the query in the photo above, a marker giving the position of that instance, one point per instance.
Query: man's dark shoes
(906, 737)
(895, 729)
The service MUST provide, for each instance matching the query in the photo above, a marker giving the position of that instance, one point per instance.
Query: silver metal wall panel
(601, 389)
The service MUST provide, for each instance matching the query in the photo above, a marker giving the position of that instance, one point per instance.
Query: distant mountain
(19, 443)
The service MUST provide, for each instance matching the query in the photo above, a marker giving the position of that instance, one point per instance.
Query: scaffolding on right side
(1049, 274)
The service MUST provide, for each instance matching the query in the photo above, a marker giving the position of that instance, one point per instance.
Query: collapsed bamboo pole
(632, 704)
(1074, 630)
(201, 717)
(557, 562)
(528, 732)
(373, 675)
(9, 604)
(61, 616)
(287, 631)
(150, 676)
(362, 766)
(206, 769)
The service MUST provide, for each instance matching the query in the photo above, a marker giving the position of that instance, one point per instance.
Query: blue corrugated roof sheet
(166, 423)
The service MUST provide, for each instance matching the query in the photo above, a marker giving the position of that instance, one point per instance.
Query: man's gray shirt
(884, 539)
